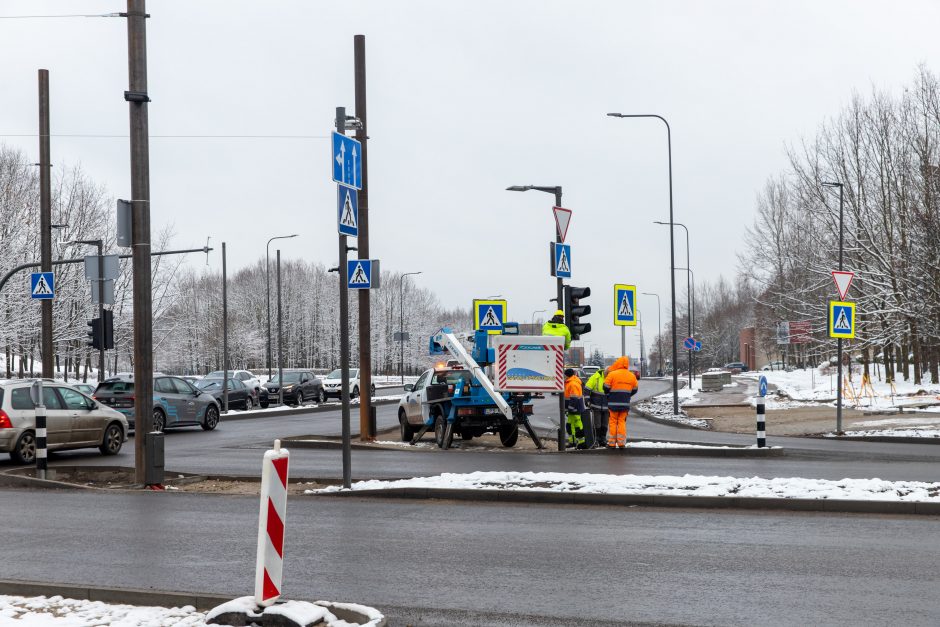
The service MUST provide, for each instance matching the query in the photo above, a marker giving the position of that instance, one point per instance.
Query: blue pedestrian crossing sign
(625, 305)
(489, 315)
(841, 319)
(347, 210)
(42, 285)
(347, 161)
(561, 260)
(362, 274)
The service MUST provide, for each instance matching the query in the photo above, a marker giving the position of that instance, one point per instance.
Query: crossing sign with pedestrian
(625, 305)
(42, 285)
(561, 260)
(347, 210)
(489, 315)
(362, 274)
(841, 319)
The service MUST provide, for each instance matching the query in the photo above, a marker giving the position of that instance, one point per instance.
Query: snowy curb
(244, 611)
(130, 596)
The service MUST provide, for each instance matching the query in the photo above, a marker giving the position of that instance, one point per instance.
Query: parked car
(250, 380)
(586, 372)
(176, 403)
(332, 383)
(736, 365)
(299, 385)
(72, 421)
(85, 388)
(238, 394)
(774, 365)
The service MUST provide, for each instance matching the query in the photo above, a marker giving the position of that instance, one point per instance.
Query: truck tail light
(465, 411)
(5, 420)
(527, 409)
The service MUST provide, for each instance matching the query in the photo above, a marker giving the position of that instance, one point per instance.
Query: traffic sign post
(761, 429)
(347, 210)
(347, 160)
(42, 285)
(561, 260)
(625, 305)
(489, 315)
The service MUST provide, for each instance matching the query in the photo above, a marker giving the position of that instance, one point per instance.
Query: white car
(251, 381)
(332, 383)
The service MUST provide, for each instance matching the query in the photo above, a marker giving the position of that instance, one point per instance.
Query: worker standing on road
(620, 385)
(597, 402)
(556, 326)
(574, 405)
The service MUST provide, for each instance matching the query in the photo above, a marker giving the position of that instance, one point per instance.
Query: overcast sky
(464, 99)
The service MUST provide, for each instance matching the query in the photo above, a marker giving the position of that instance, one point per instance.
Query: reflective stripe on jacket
(597, 398)
(559, 329)
(619, 400)
(574, 401)
(621, 385)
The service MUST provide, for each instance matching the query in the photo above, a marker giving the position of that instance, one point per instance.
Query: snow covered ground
(60, 612)
(687, 485)
(662, 406)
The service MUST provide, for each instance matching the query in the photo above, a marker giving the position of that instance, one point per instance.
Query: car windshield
(338, 374)
(289, 377)
(209, 384)
(219, 374)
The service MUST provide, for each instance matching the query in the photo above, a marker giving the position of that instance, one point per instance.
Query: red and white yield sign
(843, 281)
(562, 220)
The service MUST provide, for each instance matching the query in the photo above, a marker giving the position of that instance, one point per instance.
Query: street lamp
(689, 299)
(672, 251)
(659, 336)
(401, 328)
(556, 190)
(267, 288)
(838, 340)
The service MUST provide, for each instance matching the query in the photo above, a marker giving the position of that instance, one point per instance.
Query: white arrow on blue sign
(42, 285)
(347, 210)
(347, 161)
(763, 386)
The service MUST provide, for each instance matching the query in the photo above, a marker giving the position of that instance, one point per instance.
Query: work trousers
(575, 429)
(617, 436)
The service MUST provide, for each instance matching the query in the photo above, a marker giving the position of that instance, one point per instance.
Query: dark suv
(176, 403)
(299, 385)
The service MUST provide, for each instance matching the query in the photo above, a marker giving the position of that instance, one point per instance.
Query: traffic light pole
(560, 294)
(101, 325)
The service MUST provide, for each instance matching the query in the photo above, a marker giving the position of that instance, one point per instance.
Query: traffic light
(94, 333)
(108, 329)
(574, 310)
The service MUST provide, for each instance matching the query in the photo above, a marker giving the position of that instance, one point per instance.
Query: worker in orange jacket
(574, 405)
(620, 385)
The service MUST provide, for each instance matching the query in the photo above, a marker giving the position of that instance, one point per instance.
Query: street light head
(831, 184)
(615, 115)
(518, 188)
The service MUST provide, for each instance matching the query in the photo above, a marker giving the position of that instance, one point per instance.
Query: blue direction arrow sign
(42, 285)
(561, 260)
(762, 386)
(362, 274)
(347, 161)
(347, 210)
(698, 346)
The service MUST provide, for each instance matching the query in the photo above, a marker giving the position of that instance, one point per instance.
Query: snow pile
(819, 385)
(662, 406)
(687, 485)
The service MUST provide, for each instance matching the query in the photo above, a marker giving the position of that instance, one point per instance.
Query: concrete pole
(45, 222)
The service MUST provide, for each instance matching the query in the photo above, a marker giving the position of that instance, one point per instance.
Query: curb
(133, 596)
(666, 422)
(313, 409)
(649, 500)
(878, 438)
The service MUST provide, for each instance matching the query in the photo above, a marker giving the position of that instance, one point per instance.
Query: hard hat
(559, 312)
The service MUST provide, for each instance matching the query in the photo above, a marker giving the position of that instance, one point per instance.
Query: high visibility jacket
(621, 385)
(574, 400)
(597, 398)
(557, 328)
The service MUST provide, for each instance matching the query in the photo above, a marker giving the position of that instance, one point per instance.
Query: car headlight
(288, 387)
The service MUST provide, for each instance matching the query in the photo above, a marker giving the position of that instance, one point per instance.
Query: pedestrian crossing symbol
(489, 315)
(362, 274)
(625, 305)
(42, 285)
(841, 319)
(561, 258)
(347, 210)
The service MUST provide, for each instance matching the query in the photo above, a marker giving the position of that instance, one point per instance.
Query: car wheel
(159, 420)
(300, 398)
(321, 397)
(466, 435)
(407, 431)
(249, 403)
(113, 440)
(24, 452)
(355, 392)
(440, 426)
(509, 435)
(264, 404)
(211, 421)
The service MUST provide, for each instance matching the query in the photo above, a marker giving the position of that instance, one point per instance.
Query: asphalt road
(235, 448)
(446, 563)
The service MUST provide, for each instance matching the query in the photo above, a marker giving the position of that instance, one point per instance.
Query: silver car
(72, 421)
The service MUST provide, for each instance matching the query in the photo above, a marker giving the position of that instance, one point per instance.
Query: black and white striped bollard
(761, 430)
(35, 393)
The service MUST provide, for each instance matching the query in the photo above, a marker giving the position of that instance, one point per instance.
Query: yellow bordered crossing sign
(841, 319)
(624, 305)
(489, 315)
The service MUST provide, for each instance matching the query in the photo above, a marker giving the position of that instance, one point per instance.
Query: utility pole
(45, 221)
(224, 333)
(365, 314)
(559, 294)
(280, 356)
(101, 325)
(137, 98)
(344, 332)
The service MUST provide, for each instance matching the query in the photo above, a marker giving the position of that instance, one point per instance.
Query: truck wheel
(509, 435)
(407, 432)
(440, 426)
(466, 435)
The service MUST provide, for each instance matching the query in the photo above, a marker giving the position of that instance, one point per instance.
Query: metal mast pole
(344, 332)
(280, 357)
(839, 340)
(45, 221)
(560, 288)
(365, 314)
(101, 326)
(224, 332)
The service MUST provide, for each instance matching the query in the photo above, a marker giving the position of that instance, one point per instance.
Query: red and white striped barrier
(271, 519)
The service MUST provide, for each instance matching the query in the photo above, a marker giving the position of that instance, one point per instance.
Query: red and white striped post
(271, 519)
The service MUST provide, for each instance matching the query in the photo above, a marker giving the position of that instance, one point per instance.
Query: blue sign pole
(761, 430)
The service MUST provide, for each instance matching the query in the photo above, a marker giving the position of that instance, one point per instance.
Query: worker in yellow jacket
(597, 403)
(556, 326)
(620, 384)
(574, 405)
